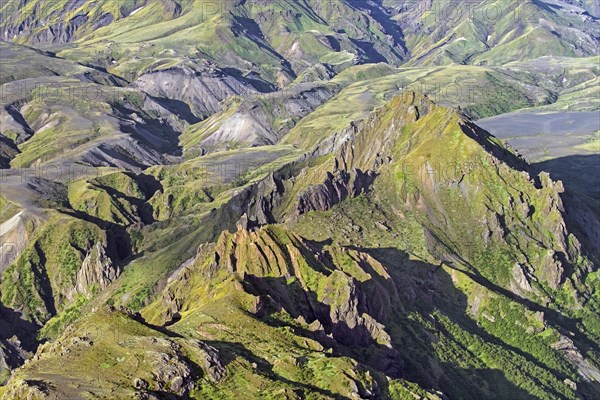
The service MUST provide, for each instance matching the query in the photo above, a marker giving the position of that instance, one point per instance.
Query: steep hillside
(340, 266)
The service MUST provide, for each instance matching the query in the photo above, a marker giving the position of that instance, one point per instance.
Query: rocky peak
(96, 273)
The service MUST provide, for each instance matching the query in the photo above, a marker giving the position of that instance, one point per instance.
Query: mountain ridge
(293, 199)
(276, 252)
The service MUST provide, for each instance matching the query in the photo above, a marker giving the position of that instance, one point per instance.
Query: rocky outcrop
(521, 277)
(585, 368)
(552, 270)
(335, 305)
(96, 273)
(337, 187)
(348, 320)
(332, 144)
(30, 390)
(12, 355)
(173, 372)
(258, 202)
(210, 361)
(171, 366)
(172, 305)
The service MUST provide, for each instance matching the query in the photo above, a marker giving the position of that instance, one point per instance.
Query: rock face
(171, 374)
(350, 315)
(337, 187)
(521, 279)
(12, 355)
(211, 361)
(552, 270)
(97, 271)
(14, 237)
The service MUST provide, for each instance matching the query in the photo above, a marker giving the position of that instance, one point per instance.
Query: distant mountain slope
(182, 110)
(275, 39)
(281, 39)
(493, 32)
(55, 110)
